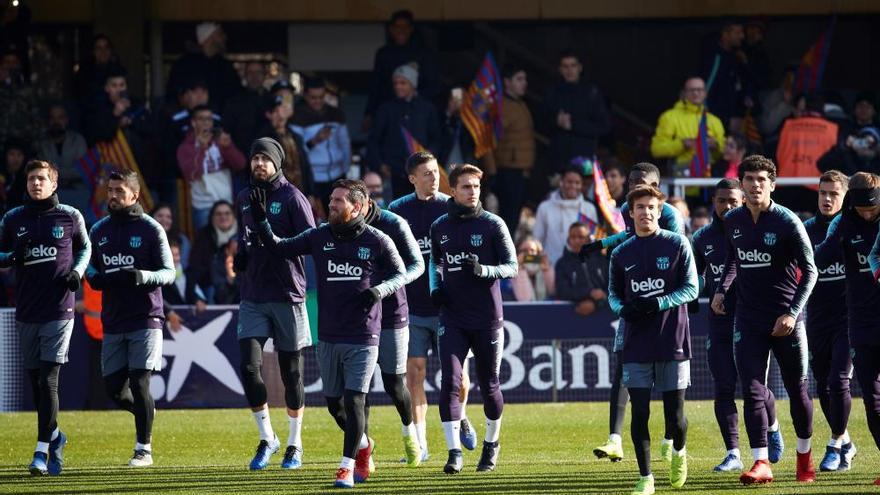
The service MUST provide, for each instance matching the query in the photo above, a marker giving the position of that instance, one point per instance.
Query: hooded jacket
(555, 215)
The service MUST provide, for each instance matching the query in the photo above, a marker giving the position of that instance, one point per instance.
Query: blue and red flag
(701, 162)
(808, 77)
(481, 107)
(412, 145)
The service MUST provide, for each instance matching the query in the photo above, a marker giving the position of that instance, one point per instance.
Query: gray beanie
(271, 148)
(409, 73)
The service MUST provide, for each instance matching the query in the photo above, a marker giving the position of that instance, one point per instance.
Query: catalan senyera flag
(413, 146)
(481, 107)
(808, 77)
(96, 165)
(750, 129)
(702, 161)
(607, 208)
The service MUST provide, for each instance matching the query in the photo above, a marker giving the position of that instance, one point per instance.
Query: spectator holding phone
(207, 157)
(535, 280)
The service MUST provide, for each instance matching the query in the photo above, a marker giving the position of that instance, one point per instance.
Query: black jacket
(575, 278)
(386, 145)
(390, 57)
(590, 119)
(216, 72)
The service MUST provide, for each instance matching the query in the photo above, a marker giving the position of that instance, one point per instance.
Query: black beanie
(270, 148)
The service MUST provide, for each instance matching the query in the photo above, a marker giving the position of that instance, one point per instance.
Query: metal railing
(675, 186)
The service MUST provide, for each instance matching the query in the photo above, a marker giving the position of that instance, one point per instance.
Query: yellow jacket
(679, 123)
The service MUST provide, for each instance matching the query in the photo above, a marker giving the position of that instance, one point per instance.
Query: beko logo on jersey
(117, 260)
(40, 254)
(863, 261)
(457, 259)
(424, 244)
(650, 287)
(345, 271)
(834, 272)
(755, 258)
(717, 269)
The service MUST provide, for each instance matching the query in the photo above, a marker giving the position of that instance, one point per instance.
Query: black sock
(47, 406)
(251, 350)
(396, 389)
(355, 422)
(116, 384)
(144, 407)
(619, 398)
(291, 365)
(337, 411)
(673, 414)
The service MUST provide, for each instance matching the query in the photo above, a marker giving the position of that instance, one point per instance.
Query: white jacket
(555, 215)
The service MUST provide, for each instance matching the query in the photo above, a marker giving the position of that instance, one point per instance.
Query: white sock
(774, 426)
(295, 435)
(422, 432)
(264, 424)
(450, 430)
(648, 477)
(347, 463)
(365, 442)
(42, 447)
(55, 434)
(803, 445)
(760, 454)
(410, 431)
(680, 453)
(615, 438)
(836, 442)
(734, 452)
(665, 441)
(844, 439)
(143, 446)
(493, 430)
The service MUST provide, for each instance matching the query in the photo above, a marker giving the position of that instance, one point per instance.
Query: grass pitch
(546, 448)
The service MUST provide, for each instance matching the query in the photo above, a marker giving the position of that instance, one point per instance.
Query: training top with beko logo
(137, 242)
(670, 219)
(474, 303)
(344, 269)
(395, 310)
(826, 308)
(710, 252)
(772, 263)
(854, 237)
(421, 214)
(269, 278)
(660, 265)
(57, 243)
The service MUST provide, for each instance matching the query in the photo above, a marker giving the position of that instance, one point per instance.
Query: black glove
(647, 305)
(588, 249)
(694, 306)
(258, 204)
(473, 264)
(438, 297)
(121, 278)
(240, 262)
(71, 282)
(369, 298)
(629, 313)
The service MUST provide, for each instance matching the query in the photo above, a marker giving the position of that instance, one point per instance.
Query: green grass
(546, 448)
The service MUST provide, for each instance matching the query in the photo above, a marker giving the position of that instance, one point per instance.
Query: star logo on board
(189, 347)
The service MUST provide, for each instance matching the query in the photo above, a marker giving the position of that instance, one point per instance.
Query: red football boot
(759, 474)
(806, 473)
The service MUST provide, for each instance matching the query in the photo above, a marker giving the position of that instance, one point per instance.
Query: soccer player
(131, 261)
(273, 301)
(394, 339)
(770, 257)
(827, 327)
(357, 266)
(710, 252)
(866, 343)
(643, 173)
(421, 208)
(652, 277)
(48, 244)
(471, 250)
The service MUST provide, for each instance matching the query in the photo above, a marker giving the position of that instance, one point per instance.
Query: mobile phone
(530, 258)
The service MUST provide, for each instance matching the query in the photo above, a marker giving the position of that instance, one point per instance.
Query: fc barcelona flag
(809, 73)
(605, 202)
(700, 163)
(481, 108)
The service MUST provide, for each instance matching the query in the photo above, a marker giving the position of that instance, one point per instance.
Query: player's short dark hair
(50, 167)
(643, 191)
(510, 69)
(835, 176)
(114, 72)
(418, 159)
(314, 83)
(864, 180)
(129, 177)
(727, 183)
(173, 242)
(568, 53)
(614, 165)
(466, 169)
(646, 168)
(357, 190)
(578, 225)
(757, 163)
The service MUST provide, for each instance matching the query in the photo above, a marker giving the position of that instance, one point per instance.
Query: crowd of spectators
(191, 145)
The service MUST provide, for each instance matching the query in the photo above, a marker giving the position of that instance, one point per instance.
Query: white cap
(205, 30)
